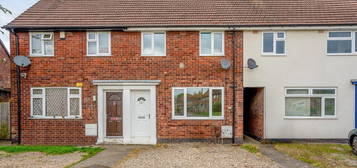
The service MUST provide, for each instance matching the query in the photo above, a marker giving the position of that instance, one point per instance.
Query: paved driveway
(195, 155)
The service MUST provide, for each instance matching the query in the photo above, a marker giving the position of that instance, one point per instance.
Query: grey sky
(16, 7)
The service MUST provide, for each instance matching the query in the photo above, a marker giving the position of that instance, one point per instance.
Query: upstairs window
(212, 44)
(310, 102)
(98, 44)
(341, 43)
(198, 103)
(274, 43)
(41, 44)
(153, 44)
(55, 102)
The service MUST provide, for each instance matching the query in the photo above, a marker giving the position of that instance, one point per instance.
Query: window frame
(42, 44)
(97, 41)
(309, 95)
(352, 38)
(152, 42)
(275, 39)
(43, 96)
(185, 117)
(212, 43)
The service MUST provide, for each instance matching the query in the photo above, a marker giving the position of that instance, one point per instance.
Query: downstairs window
(310, 102)
(198, 103)
(55, 102)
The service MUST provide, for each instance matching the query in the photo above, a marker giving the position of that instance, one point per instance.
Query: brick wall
(4, 74)
(70, 65)
(254, 112)
(4, 68)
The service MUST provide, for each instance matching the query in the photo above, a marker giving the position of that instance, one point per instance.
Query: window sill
(57, 118)
(41, 56)
(218, 55)
(274, 55)
(347, 54)
(153, 55)
(198, 118)
(310, 118)
(101, 55)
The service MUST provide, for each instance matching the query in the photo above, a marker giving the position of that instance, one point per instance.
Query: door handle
(149, 116)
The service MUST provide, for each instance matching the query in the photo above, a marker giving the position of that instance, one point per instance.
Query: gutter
(18, 73)
(60, 28)
(187, 27)
(242, 27)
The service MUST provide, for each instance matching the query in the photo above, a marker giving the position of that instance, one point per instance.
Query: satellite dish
(22, 61)
(252, 64)
(225, 64)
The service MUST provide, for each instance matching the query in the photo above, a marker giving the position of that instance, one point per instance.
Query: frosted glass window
(55, 102)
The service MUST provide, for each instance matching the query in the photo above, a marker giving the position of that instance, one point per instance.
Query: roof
(4, 48)
(144, 13)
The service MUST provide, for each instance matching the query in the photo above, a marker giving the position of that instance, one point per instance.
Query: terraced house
(148, 71)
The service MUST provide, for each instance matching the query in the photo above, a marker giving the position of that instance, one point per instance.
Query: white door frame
(126, 87)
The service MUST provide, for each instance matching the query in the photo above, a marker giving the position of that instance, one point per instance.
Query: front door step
(113, 140)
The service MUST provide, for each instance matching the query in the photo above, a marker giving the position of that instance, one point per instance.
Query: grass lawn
(250, 148)
(320, 155)
(53, 150)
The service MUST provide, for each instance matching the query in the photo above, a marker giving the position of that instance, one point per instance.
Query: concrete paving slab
(110, 156)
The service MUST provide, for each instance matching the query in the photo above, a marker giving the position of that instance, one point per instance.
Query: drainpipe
(234, 84)
(354, 82)
(18, 73)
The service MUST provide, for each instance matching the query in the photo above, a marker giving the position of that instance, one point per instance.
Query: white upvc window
(41, 44)
(310, 102)
(273, 43)
(211, 43)
(198, 103)
(153, 44)
(341, 43)
(98, 43)
(56, 102)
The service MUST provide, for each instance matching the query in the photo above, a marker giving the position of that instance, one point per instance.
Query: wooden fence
(4, 120)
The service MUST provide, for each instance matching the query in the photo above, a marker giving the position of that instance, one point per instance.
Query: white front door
(141, 116)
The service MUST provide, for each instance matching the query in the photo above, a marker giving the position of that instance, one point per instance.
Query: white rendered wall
(306, 64)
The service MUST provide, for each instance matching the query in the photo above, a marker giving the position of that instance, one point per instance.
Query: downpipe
(18, 82)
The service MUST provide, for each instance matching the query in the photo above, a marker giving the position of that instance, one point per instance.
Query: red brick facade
(254, 112)
(71, 65)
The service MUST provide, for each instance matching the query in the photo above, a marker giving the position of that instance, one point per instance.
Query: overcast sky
(16, 7)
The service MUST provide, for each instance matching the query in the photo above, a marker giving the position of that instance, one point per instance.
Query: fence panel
(4, 120)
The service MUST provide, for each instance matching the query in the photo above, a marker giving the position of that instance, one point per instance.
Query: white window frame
(97, 41)
(152, 44)
(353, 38)
(310, 94)
(184, 117)
(43, 96)
(42, 44)
(212, 43)
(275, 39)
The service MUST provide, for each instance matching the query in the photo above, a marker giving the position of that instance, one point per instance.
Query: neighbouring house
(4, 73)
(145, 72)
